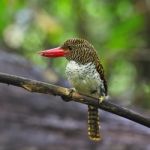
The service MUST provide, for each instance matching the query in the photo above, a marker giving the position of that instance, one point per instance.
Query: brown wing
(100, 70)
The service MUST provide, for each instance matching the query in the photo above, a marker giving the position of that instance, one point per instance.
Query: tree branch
(41, 87)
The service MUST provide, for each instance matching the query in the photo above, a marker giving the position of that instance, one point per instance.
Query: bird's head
(78, 50)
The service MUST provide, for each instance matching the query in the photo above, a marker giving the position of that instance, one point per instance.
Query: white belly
(84, 78)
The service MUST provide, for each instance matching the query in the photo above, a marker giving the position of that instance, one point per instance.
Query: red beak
(55, 52)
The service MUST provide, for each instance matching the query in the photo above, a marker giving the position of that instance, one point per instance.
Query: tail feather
(93, 124)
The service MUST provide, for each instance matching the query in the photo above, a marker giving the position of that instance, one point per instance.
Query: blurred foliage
(113, 27)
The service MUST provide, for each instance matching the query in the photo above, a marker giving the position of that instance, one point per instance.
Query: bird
(86, 74)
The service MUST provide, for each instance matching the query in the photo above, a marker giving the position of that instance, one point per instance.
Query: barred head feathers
(80, 50)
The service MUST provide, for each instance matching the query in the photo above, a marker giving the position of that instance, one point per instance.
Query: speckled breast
(84, 78)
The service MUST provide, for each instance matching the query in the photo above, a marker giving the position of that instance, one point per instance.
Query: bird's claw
(66, 99)
(101, 99)
(71, 91)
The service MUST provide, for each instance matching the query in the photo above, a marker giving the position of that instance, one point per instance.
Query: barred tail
(93, 124)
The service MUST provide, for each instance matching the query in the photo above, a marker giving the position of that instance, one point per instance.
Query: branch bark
(41, 87)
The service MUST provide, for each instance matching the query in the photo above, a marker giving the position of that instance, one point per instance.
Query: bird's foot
(67, 99)
(101, 99)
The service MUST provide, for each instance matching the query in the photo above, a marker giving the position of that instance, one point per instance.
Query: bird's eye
(70, 48)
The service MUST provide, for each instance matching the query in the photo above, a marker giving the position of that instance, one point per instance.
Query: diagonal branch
(41, 87)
